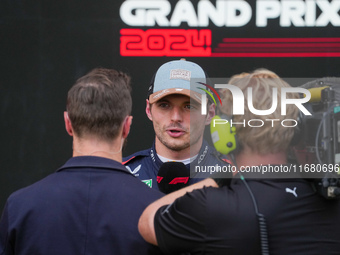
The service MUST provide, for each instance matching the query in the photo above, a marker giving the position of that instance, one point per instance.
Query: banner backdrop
(47, 45)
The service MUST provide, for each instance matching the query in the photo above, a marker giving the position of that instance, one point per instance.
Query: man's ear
(126, 126)
(148, 109)
(68, 124)
(210, 114)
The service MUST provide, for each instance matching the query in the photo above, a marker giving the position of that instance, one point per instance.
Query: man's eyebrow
(163, 101)
(193, 102)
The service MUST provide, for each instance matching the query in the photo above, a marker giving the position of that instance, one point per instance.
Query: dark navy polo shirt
(91, 205)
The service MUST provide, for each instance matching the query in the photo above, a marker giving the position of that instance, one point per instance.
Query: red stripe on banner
(278, 50)
(278, 47)
(276, 54)
(330, 39)
(283, 45)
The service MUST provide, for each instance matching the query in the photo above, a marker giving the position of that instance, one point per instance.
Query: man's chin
(177, 146)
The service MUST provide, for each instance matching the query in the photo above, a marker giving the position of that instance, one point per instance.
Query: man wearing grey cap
(174, 107)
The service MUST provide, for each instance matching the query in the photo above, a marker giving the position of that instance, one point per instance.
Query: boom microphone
(172, 176)
(316, 94)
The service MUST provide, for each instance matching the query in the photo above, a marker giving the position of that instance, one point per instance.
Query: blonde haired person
(210, 218)
(272, 137)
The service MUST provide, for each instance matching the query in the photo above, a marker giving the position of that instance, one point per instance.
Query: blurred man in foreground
(90, 205)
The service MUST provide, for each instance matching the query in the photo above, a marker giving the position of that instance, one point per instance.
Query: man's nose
(176, 114)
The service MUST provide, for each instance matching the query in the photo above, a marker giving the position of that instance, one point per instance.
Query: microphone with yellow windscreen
(316, 94)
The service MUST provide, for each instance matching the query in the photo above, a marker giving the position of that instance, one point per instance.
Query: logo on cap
(180, 74)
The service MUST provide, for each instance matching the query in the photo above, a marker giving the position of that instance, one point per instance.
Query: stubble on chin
(174, 146)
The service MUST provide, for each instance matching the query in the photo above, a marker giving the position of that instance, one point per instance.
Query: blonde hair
(272, 137)
(226, 94)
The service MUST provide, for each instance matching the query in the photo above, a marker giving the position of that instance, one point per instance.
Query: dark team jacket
(145, 165)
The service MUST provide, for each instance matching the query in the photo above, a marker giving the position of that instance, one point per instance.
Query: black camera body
(320, 136)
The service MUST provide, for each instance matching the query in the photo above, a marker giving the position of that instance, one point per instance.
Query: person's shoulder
(196, 201)
(135, 157)
(30, 192)
(219, 156)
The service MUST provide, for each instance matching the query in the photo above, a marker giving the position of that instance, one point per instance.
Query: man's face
(175, 118)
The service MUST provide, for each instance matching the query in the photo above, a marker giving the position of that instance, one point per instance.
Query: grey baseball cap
(174, 78)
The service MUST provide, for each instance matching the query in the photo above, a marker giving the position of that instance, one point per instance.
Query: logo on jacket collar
(202, 156)
(152, 154)
(134, 171)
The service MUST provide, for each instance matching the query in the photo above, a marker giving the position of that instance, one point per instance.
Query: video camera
(319, 147)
